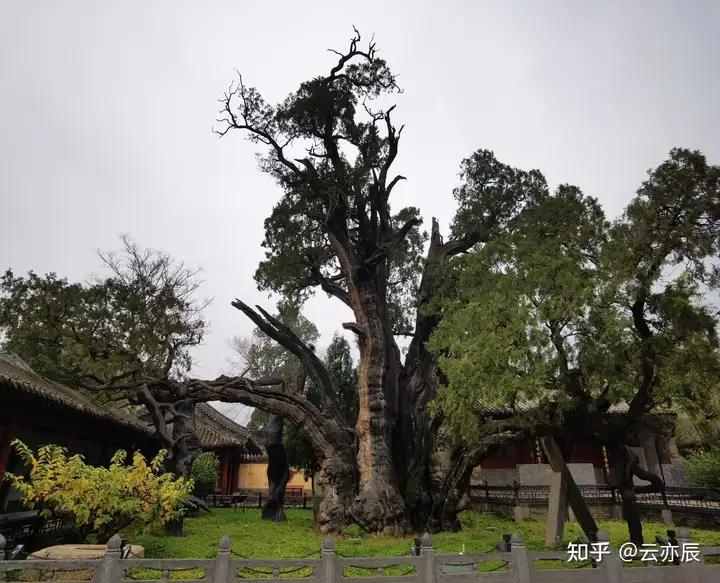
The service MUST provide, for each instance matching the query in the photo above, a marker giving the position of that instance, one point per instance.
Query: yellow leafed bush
(99, 501)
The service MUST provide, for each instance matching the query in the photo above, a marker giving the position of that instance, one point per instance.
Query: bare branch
(156, 414)
(386, 248)
(284, 336)
(392, 184)
(329, 287)
(409, 333)
(249, 119)
(327, 433)
(354, 327)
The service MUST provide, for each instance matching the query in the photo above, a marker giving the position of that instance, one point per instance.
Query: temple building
(230, 441)
(589, 463)
(39, 411)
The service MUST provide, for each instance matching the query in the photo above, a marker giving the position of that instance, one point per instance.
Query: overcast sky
(106, 110)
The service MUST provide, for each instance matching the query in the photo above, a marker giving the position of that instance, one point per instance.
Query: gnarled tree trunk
(278, 470)
(627, 467)
(378, 507)
(186, 447)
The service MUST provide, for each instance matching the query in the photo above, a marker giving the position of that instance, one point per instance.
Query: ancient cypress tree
(331, 151)
(575, 314)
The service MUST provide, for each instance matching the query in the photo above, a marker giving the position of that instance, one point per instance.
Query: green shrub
(100, 502)
(353, 531)
(205, 473)
(702, 470)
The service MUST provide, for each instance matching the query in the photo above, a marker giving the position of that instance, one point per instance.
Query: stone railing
(518, 564)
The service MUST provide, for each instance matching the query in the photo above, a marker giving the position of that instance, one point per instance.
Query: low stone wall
(538, 511)
(691, 517)
(541, 474)
(584, 474)
(703, 518)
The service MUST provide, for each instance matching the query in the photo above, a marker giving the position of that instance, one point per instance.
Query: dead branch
(386, 248)
(284, 336)
(354, 327)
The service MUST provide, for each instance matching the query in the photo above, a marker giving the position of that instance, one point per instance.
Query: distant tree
(205, 474)
(343, 375)
(702, 470)
(125, 337)
(259, 356)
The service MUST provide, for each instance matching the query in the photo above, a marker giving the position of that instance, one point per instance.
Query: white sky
(106, 110)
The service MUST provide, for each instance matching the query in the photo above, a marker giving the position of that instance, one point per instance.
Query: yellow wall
(254, 477)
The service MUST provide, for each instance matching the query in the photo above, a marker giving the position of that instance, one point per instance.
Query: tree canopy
(141, 319)
(569, 309)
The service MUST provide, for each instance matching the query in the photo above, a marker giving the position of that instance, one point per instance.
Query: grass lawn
(253, 538)
(295, 538)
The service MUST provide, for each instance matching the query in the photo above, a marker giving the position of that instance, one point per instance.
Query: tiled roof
(17, 377)
(530, 404)
(254, 458)
(215, 430)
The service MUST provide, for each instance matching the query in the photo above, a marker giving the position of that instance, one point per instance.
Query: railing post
(610, 563)
(520, 562)
(691, 570)
(304, 500)
(107, 572)
(3, 543)
(328, 560)
(221, 573)
(427, 562)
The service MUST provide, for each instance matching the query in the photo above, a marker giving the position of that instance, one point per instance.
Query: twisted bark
(278, 470)
(628, 467)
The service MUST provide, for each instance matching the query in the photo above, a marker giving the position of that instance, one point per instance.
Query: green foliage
(101, 501)
(541, 311)
(205, 473)
(353, 531)
(341, 186)
(262, 357)
(343, 375)
(141, 319)
(702, 469)
(414, 492)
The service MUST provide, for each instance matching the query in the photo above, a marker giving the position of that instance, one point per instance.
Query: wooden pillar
(235, 475)
(223, 474)
(6, 449)
(228, 474)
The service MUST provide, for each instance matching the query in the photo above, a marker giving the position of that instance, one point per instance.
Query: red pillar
(223, 474)
(6, 450)
(234, 475)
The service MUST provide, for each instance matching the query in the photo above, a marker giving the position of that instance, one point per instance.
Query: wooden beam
(574, 496)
